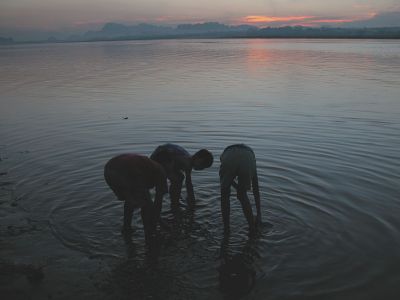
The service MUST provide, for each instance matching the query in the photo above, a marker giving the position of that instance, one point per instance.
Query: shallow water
(323, 117)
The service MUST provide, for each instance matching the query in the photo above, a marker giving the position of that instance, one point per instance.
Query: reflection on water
(258, 56)
(322, 117)
(237, 274)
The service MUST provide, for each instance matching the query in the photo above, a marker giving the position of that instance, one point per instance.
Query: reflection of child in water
(130, 176)
(236, 277)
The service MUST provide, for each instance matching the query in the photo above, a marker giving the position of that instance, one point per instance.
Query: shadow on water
(184, 260)
(136, 277)
(141, 275)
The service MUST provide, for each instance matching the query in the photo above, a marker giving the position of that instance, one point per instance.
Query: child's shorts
(237, 161)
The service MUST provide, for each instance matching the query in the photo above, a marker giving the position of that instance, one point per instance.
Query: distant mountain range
(120, 31)
(117, 31)
(5, 41)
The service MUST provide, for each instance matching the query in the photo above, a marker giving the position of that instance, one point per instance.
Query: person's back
(138, 169)
(130, 176)
(172, 154)
(178, 165)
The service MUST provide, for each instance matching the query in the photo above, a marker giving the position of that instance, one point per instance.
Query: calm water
(323, 118)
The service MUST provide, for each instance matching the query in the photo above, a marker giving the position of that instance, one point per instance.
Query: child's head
(202, 159)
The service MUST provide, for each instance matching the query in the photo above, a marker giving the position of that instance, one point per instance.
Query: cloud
(293, 20)
(384, 19)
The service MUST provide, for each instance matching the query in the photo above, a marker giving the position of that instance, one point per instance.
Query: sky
(53, 15)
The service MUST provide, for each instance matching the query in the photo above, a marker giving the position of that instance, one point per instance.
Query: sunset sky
(85, 14)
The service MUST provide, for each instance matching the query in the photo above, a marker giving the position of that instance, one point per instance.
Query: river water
(322, 116)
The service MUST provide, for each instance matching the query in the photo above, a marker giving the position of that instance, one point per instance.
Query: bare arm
(256, 193)
(189, 186)
(225, 208)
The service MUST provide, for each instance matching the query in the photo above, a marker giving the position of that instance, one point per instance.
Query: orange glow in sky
(300, 20)
(267, 19)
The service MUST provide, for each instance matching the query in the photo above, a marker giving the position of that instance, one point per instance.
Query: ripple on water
(328, 160)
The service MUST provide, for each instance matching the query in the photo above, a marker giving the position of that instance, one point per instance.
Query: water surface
(323, 117)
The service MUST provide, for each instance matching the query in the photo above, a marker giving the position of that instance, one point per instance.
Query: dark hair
(205, 156)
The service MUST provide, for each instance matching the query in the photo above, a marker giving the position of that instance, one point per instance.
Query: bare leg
(157, 206)
(189, 188)
(245, 202)
(225, 208)
(147, 213)
(128, 213)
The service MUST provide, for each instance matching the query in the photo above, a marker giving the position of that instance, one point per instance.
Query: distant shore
(119, 32)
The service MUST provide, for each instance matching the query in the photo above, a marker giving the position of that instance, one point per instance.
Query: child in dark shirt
(178, 165)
